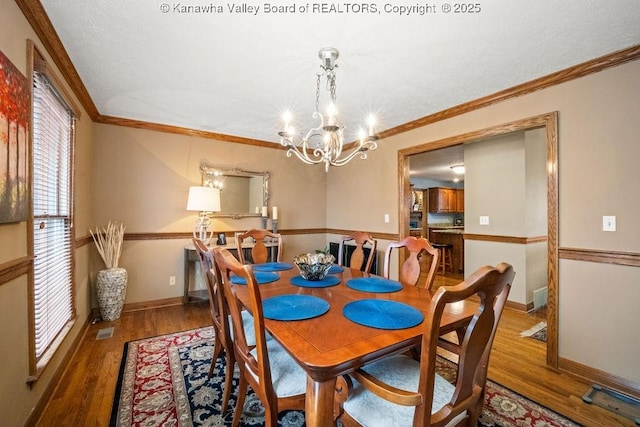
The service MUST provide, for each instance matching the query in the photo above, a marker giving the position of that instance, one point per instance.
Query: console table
(191, 259)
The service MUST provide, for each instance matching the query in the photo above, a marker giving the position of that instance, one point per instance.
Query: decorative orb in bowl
(314, 266)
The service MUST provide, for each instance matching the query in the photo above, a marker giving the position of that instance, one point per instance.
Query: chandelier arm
(302, 157)
(362, 151)
(302, 149)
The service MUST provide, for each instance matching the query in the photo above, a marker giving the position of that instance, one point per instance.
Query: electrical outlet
(484, 220)
(386, 218)
(172, 280)
(608, 223)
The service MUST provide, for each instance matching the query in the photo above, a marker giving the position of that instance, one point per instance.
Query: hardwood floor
(84, 396)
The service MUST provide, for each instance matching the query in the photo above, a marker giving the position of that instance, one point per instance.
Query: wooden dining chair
(399, 390)
(278, 381)
(411, 269)
(219, 317)
(259, 252)
(359, 260)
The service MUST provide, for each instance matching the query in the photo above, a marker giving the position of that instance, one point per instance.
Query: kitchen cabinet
(443, 200)
(459, 199)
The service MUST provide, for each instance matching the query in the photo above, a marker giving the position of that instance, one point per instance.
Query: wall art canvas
(14, 132)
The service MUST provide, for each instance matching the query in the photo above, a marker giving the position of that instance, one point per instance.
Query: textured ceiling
(234, 72)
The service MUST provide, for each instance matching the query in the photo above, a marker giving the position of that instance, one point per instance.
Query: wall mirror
(242, 193)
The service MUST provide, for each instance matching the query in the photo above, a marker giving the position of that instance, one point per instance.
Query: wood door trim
(548, 121)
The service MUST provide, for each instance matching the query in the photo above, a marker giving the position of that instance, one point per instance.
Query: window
(52, 305)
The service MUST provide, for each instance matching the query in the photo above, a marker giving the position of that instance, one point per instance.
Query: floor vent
(105, 333)
(539, 298)
(614, 401)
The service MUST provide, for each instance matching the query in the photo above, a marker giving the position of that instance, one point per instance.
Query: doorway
(549, 123)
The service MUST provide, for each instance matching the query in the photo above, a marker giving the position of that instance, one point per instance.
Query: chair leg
(217, 351)
(474, 412)
(271, 414)
(226, 394)
(242, 393)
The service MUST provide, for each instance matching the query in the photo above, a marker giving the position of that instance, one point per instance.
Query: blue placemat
(324, 283)
(261, 277)
(374, 284)
(294, 307)
(272, 266)
(382, 314)
(335, 269)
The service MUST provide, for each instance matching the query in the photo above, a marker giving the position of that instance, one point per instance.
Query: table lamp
(203, 199)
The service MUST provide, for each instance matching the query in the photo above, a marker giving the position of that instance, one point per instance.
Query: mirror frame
(207, 170)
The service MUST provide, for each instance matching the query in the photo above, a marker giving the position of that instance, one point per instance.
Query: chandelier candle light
(325, 143)
(203, 199)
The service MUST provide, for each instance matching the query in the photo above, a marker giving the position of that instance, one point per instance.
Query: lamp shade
(204, 199)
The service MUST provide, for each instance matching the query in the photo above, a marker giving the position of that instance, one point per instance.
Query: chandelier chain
(331, 80)
(318, 93)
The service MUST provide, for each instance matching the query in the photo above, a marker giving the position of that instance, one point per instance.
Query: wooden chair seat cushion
(402, 372)
(288, 378)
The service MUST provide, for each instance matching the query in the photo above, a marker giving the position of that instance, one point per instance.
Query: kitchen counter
(454, 236)
(450, 230)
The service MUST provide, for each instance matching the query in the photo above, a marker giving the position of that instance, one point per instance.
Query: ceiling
(436, 165)
(234, 72)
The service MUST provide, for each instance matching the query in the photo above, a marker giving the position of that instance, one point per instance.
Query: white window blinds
(54, 307)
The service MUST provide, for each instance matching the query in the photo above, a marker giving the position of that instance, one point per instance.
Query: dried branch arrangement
(109, 243)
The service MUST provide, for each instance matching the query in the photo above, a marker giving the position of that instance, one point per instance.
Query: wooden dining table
(330, 345)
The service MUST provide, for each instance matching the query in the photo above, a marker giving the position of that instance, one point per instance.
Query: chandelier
(325, 143)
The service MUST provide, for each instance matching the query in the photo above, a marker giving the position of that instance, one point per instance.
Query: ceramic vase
(111, 288)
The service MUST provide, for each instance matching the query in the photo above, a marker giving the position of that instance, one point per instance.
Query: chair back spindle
(411, 269)
(359, 260)
(259, 251)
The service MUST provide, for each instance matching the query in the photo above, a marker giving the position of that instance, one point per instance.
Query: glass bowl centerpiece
(314, 266)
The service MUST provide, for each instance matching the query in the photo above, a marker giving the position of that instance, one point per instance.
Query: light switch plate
(484, 220)
(608, 223)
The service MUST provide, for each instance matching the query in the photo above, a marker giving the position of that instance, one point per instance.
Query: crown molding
(37, 17)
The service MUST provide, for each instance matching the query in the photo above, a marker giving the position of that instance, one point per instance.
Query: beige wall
(598, 175)
(142, 179)
(17, 400)
(506, 180)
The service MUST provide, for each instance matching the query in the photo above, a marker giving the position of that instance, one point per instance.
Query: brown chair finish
(254, 370)
(410, 269)
(358, 256)
(491, 286)
(259, 252)
(219, 316)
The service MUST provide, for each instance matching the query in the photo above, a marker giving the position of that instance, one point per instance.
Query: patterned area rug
(537, 332)
(163, 381)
